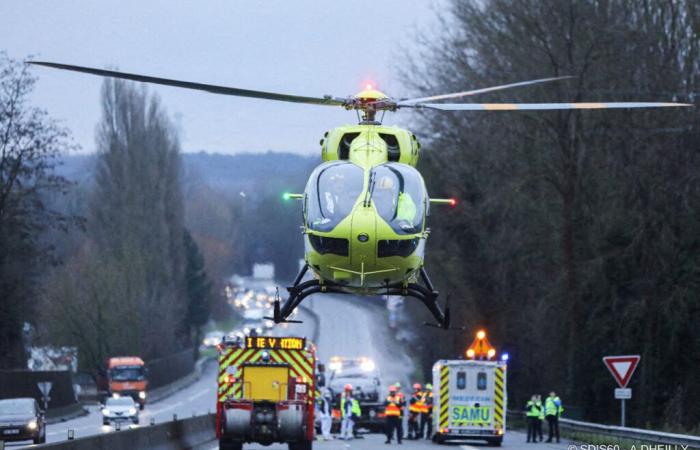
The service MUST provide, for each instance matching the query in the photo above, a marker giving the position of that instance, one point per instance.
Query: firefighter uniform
(426, 416)
(415, 408)
(392, 414)
(552, 412)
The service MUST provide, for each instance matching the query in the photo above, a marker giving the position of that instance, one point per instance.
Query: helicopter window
(344, 146)
(396, 247)
(332, 191)
(398, 194)
(325, 245)
(392, 146)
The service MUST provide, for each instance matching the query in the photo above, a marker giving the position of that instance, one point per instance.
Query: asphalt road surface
(513, 441)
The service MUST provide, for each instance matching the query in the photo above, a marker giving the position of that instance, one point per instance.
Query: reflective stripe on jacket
(392, 406)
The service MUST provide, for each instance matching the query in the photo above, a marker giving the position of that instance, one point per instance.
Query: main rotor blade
(412, 101)
(541, 106)
(224, 90)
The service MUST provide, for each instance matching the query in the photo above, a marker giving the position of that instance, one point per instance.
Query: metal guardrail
(173, 435)
(631, 434)
(635, 435)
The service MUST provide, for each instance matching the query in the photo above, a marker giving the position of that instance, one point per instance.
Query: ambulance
(469, 396)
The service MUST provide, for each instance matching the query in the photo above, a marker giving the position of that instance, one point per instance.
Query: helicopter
(365, 206)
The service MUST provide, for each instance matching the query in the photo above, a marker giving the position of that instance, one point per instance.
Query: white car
(213, 338)
(117, 409)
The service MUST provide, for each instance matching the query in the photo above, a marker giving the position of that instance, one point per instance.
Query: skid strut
(300, 290)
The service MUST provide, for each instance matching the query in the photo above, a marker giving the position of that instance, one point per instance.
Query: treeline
(108, 265)
(577, 234)
(135, 282)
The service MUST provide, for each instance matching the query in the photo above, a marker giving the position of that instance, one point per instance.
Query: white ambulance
(469, 400)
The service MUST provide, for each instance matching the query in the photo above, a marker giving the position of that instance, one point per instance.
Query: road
(347, 327)
(512, 441)
(198, 398)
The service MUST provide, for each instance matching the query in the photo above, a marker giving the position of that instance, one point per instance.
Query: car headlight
(32, 425)
(132, 411)
(367, 365)
(105, 412)
(142, 395)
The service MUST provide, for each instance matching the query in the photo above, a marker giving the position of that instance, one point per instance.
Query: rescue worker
(392, 414)
(402, 406)
(538, 428)
(325, 413)
(426, 417)
(349, 408)
(532, 412)
(415, 407)
(552, 412)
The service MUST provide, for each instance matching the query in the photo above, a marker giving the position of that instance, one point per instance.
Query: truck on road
(124, 376)
(266, 388)
(469, 396)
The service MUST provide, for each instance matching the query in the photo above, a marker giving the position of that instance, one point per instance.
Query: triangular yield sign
(622, 367)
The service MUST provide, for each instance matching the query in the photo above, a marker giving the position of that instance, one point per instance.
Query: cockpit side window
(399, 196)
(331, 194)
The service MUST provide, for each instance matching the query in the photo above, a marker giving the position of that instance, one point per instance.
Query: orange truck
(266, 389)
(124, 376)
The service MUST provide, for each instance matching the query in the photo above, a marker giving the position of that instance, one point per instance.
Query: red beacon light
(453, 202)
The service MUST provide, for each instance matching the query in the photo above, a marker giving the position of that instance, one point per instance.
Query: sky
(304, 47)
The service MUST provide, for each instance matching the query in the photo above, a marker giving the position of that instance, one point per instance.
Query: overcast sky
(300, 47)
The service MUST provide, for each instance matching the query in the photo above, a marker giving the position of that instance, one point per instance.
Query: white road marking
(198, 394)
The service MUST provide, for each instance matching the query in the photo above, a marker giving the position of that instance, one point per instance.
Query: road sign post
(45, 389)
(621, 368)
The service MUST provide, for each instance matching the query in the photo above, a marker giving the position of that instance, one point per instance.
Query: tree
(124, 291)
(198, 290)
(574, 227)
(29, 145)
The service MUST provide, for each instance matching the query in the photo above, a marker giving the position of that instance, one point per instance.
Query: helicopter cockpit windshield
(399, 196)
(331, 193)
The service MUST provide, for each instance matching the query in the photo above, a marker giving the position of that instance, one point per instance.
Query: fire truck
(469, 395)
(266, 392)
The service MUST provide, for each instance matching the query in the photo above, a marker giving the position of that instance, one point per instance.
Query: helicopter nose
(363, 238)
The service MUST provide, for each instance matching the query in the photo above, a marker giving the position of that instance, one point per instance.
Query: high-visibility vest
(531, 410)
(402, 401)
(416, 403)
(392, 407)
(354, 407)
(552, 407)
(538, 403)
(428, 402)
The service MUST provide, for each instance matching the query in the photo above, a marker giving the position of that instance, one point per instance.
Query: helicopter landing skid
(428, 296)
(300, 290)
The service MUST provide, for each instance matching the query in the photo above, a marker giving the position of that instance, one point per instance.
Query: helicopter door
(400, 198)
(331, 193)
